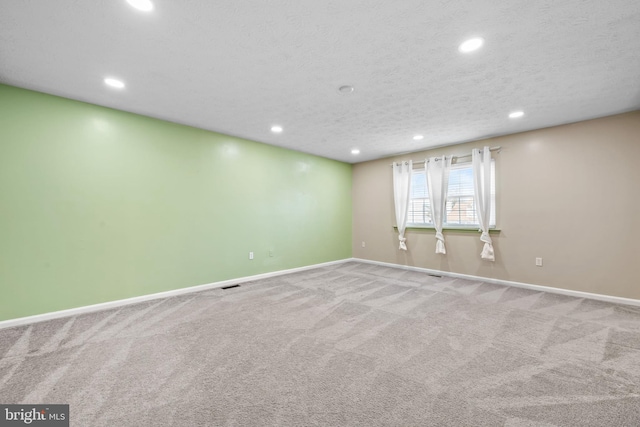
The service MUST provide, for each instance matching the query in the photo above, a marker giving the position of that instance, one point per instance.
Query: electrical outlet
(270, 252)
(363, 244)
(538, 262)
(250, 255)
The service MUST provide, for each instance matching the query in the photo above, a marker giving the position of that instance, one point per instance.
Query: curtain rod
(498, 148)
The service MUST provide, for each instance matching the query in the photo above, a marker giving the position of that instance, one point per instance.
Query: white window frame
(417, 211)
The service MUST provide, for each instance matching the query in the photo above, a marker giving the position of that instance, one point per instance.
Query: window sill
(461, 229)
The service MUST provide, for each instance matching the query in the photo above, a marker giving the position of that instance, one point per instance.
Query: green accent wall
(98, 205)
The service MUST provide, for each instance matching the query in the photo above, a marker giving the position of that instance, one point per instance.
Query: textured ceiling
(240, 66)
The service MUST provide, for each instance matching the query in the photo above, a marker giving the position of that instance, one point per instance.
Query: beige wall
(569, 194)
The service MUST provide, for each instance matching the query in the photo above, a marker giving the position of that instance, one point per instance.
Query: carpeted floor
(352, 344)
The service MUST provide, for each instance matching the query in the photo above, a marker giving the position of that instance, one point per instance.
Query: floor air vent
(230, 286)
(432, 275)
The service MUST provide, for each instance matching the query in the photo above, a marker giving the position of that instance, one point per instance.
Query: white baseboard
(579, 294)
(119, 303)
(134, 300)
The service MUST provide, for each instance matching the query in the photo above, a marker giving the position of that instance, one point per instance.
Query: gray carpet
(348, 345)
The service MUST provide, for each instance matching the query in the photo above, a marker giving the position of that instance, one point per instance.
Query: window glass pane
(419, 212)
(419, 209)
(461, 181)
(418, 184)
(461, 211)
(460, 206)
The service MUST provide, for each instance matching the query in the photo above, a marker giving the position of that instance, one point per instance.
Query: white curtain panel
(481, 162)
(401, 195)
(438, 184)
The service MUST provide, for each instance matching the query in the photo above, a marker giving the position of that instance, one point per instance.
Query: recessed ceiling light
(516, 114)
(418, 137)
(345, 89)
(276, 129)
(144, 5)
(471, 45)
(118, 84)
(355, 151)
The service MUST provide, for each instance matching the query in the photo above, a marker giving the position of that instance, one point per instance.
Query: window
(460, 209)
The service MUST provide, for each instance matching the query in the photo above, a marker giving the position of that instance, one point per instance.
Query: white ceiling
(240, 66)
